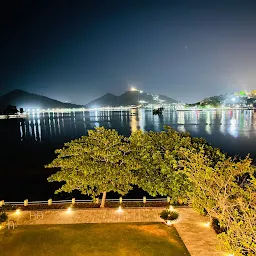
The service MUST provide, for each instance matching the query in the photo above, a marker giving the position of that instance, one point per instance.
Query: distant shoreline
(68, 110)
(13, 116)
(207, 109)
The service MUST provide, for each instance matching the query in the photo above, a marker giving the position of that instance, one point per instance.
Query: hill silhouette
(130, 98)
(22, 99)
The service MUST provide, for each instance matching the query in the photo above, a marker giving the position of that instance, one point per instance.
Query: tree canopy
(225, 191)
(94, 164)
(158, 155)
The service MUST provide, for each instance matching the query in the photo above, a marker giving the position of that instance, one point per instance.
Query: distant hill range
(132, 97)
(26, 100)
(229, 99)
(22, 99)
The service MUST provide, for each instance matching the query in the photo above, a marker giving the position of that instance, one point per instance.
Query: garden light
(171, 208)
(69, 209)
(207, 224)
(18, 211)
(120, 209)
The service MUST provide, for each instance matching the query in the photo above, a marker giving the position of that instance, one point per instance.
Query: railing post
(50, 201)
(120, 199)
(168, 199)
(144, 199)
(73, 201)
(26, 202)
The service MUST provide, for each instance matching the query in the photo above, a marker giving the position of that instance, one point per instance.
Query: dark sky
(78, 50)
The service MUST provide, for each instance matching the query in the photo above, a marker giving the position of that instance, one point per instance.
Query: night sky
(78, 50)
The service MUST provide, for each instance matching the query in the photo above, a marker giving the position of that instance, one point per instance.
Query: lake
(29, 144)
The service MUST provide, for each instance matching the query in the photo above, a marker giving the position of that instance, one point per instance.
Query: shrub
(8, 207)
(173, 215)
(3, 217)
(216, 226)
(164, 214)
(169, 215)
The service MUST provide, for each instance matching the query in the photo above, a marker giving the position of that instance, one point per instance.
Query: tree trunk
(103, 200)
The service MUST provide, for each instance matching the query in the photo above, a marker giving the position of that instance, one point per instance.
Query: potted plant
(169, 216)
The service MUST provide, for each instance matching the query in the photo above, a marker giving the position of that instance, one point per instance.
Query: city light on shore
(133, 89)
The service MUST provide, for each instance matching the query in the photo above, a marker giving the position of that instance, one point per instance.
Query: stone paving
(76, 216)
(199, 239)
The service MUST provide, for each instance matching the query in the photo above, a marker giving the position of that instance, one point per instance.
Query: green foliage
(216, 226)
(226, 191)
(8, 207)
(158, 155)
(3, 217)
(169, 215)
(93, 164)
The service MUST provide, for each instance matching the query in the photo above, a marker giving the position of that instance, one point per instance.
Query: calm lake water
(29, 144)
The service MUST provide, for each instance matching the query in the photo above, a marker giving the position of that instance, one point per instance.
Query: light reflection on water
(53, 125)
(215, 126)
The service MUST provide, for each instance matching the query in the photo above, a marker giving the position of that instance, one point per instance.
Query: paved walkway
(76, 216)
(199, 239)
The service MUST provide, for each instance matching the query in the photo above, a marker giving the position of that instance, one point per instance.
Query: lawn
(133, 239)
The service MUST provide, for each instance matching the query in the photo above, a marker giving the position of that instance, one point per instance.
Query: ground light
(120, 210)
(69, 209)
(18, 211)
(207, 224)
(168, 222)
(171, 208)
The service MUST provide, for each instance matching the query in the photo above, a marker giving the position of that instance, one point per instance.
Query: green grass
(131, 239)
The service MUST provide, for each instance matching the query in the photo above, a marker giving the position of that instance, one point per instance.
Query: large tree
(158, 154)
(226, 191)
(95, 164)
